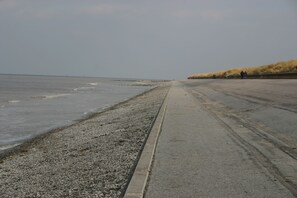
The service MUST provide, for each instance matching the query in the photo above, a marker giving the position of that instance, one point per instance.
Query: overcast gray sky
(155, 39)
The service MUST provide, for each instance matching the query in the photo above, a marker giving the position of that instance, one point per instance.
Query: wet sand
(93, 158)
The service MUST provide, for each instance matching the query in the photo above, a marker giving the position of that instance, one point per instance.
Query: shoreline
(14, 149)
(33, 105)
(91, 157)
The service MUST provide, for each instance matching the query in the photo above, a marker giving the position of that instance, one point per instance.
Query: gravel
(92, 158)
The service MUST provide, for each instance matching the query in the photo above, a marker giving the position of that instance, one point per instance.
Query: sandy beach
(93, 158)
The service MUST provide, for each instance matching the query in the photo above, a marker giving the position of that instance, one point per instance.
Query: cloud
(119, 9)
(183, 13)
(24, 9)
(101, 9)
(4, 4)
(44, 14)
(212, 15)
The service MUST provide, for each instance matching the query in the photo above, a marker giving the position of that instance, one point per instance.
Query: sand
(93, 158)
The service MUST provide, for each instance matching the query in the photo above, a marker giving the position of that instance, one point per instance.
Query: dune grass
(276, 68)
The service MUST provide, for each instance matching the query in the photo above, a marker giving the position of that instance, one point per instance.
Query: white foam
(14, 101)
(105, 106)
(93, 84)
(83, 88)
(56, 96)
(90, 111)
(144, 83)
(51, 96)
(2, 148)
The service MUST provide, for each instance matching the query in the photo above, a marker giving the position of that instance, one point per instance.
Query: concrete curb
(138, 182)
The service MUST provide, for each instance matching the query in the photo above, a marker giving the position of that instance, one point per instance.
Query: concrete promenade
(198, 156)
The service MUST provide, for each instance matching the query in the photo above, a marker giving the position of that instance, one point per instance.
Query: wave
(83, 88)
(50, 96)
(14, 101)
(2, 148)
(144, 83)
(104, 106)
(93, 84)
(90, 111)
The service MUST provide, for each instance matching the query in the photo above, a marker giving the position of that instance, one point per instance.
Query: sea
(33, 105)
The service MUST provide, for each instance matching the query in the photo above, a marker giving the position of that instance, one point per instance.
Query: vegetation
(276, 68)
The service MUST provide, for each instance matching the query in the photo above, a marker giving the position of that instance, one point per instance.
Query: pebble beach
(92, 158)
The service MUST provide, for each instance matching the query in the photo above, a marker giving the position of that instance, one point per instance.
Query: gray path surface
(269, 102)
(207, 150)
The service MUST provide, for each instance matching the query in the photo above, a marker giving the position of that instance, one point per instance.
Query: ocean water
(32, 105)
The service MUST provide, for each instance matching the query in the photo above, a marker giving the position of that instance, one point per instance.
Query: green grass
(276, 68)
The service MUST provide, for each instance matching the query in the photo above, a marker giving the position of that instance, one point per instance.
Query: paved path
(197, 156)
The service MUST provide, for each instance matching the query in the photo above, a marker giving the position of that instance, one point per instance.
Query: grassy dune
(276, 68)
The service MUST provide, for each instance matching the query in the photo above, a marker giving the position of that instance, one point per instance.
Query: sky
(155, 39)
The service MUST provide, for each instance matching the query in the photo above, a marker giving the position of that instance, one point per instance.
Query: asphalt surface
(227, 138)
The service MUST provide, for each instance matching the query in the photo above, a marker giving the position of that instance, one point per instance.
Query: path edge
(136, 187)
